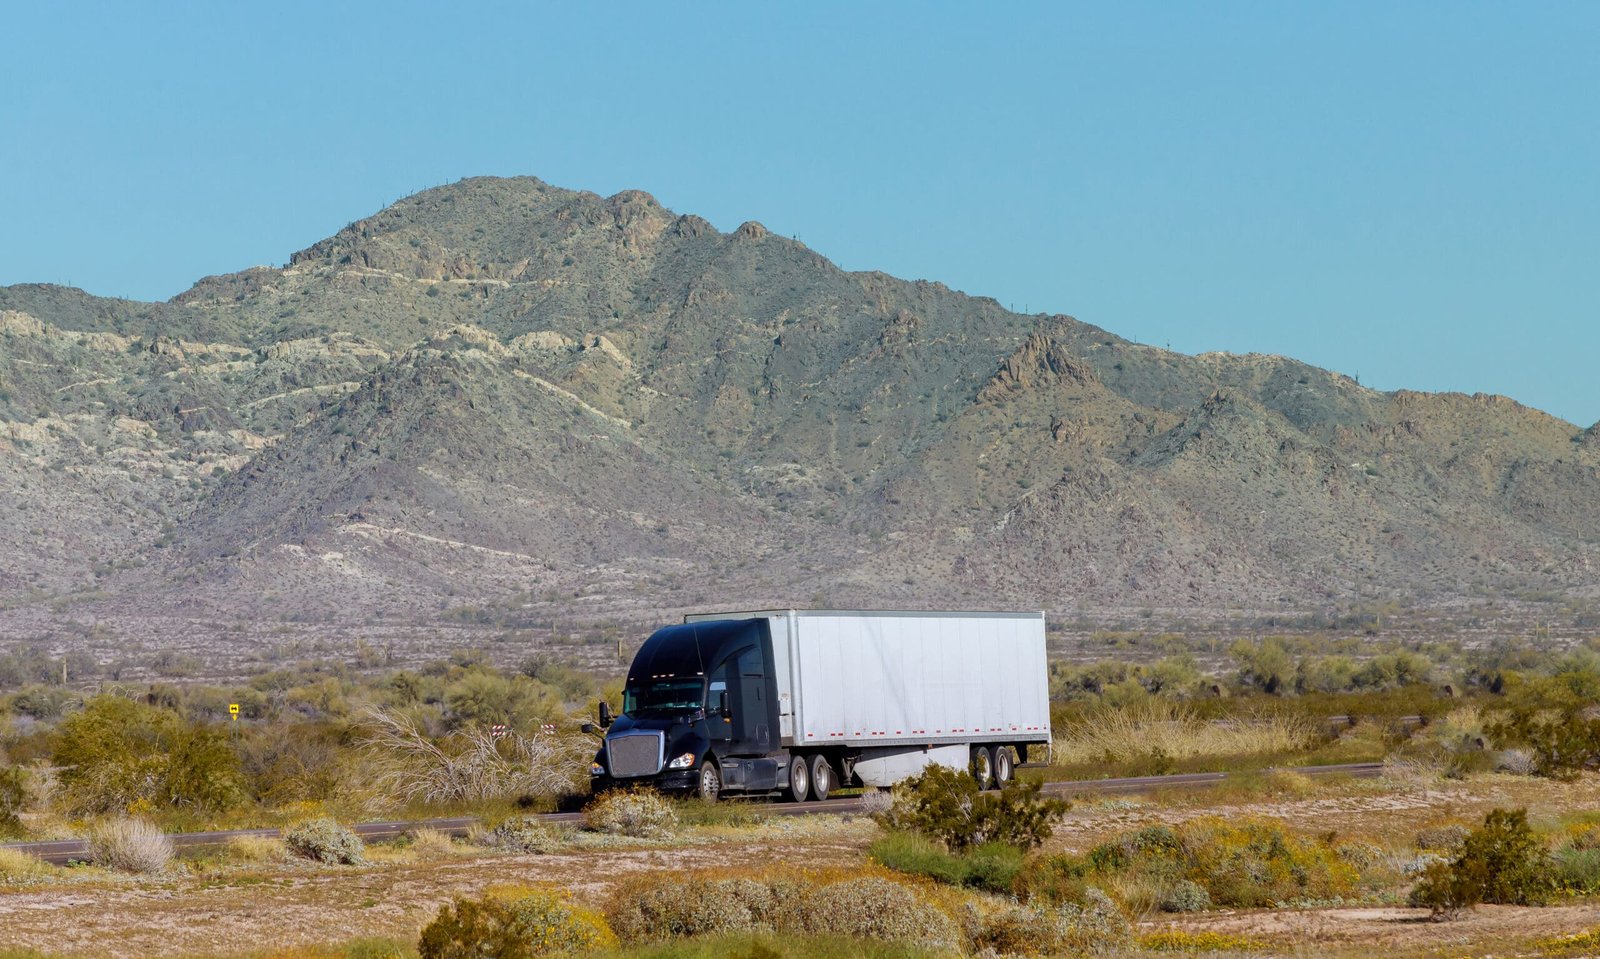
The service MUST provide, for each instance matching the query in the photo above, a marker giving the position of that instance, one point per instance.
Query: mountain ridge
(502, 389)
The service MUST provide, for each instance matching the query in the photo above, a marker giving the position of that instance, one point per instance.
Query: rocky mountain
(500, 399)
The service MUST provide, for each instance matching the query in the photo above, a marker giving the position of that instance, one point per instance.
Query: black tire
(1004, 765)
(821, 778)
(710, 782)
(799, 779)
(982, 767)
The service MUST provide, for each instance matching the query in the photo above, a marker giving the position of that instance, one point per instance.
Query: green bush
(992, 866)
(1577, 870)
(1055, 879)
(473, 929)
(1254, 863)
(116, 752)
(1185, 895)
(1501, 861)
(945, 804)
(514, 923)
(1563, 744)
(1242, 863)
(323, 840)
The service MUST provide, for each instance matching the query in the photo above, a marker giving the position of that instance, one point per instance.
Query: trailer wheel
(982, 767)
(821, 777)
(799, 779)
(710, 782)
(1003, 766)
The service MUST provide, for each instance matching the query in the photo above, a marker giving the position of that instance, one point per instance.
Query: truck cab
(699, 714)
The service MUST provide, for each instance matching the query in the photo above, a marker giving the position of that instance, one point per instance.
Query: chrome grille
(635, 754)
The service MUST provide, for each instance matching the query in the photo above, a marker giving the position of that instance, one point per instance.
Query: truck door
(752, 719)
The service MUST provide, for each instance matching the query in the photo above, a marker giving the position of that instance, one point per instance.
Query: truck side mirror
(722, 705)
(605, 714)
(588, 729)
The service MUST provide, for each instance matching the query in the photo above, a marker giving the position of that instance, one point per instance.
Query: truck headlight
(595, 769)
(682, 762)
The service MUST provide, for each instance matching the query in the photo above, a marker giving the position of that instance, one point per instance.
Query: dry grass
(1174, 731)
(16, 865)
(474, 767)
(429, 844)
(255, 849)
(130, 845)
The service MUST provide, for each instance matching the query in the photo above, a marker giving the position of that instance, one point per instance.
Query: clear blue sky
(1406, 192)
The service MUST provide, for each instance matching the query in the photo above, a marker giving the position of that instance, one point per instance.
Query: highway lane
(62, 851)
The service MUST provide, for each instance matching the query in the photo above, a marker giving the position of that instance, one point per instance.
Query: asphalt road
(60, 852)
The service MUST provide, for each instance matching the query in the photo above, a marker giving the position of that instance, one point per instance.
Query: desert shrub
(115, 752)
(874, 908)
(1517, 761)
(1563, 741)
(1051, 930)
(945, 804)
(1244, 863)
(1445, 838)
(482, 698)
(523, 834)
(13, 797)
(1185, 895)
(875, 802)
(649, 908)
(1253, 863)
(1054, 879)
(992, 866)
(849, 904)
(323, 840)
(642, 814)
(470, 766)
(299, 762)
(513, 923)
(1455, 744)
(130, 845)
(1501, 861)
(508, 927)
(471, 929)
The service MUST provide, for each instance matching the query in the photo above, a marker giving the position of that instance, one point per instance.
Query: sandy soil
(245, 909)
(251, 911)
(1485, 931)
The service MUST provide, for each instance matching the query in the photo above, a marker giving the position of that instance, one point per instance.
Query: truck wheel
(982, 767)
(821, 777)
(799, 779)
(1003, 765)
(710, 782)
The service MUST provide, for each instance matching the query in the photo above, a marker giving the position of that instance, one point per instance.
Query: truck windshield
(664, 696)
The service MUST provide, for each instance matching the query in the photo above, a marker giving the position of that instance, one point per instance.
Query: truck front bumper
(672, 780)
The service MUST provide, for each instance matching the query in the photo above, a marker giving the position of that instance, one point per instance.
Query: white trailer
(880, 695)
